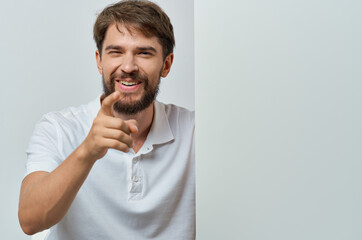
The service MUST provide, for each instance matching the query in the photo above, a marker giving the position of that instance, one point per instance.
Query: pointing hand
(108, 131)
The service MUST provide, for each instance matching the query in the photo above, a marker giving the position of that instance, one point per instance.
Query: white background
(279, 119)
(48, 63)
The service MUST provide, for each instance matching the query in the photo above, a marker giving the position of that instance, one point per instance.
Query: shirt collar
(160, 131)
(94, 107)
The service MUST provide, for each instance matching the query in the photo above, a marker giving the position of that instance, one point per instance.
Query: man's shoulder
(174, 112)
(73, 115)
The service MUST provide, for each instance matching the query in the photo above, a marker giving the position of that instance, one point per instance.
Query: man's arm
(46, 197)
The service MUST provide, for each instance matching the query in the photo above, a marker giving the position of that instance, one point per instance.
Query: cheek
(153, 69)
(110, 66)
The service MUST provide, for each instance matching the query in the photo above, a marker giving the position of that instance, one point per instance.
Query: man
(122, 166)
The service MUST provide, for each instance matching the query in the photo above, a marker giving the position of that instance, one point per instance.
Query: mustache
(134, 76)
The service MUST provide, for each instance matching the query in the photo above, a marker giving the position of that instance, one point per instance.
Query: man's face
(131, 64)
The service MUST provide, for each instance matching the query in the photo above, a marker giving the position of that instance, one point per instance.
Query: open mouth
(125, 83)
(129, 83)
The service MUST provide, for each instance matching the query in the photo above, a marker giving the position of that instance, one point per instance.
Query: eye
(144, 53)
(115, 52)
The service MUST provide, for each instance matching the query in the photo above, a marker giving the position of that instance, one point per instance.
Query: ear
(99, 62)
(167, 65)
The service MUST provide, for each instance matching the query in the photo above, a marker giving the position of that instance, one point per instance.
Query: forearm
(45, 201)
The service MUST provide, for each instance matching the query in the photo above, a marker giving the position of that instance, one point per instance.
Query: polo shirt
(145, 195)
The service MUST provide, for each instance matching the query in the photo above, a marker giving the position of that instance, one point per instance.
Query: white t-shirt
(148, 195)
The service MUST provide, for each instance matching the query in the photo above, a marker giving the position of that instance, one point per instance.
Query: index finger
(108, 102)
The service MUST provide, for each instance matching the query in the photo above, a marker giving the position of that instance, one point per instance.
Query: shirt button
(135, 160)
(135, 178)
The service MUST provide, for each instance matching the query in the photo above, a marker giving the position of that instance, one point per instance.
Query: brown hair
(143, 16)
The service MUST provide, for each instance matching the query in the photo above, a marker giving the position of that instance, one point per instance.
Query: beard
(131, 108)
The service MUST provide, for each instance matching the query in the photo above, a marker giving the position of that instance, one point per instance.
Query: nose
(129, 64)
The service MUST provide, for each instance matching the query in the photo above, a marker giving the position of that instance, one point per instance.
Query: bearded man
(121, 166)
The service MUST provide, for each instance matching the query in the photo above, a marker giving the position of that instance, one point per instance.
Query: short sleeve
(42, 152)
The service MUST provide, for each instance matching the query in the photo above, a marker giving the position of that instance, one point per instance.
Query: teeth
(128, 83)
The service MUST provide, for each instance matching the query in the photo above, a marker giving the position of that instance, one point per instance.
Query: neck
(144, 120)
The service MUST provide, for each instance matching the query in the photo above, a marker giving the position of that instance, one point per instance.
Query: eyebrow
(152, 49)
(113, 47)
(117, 47)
